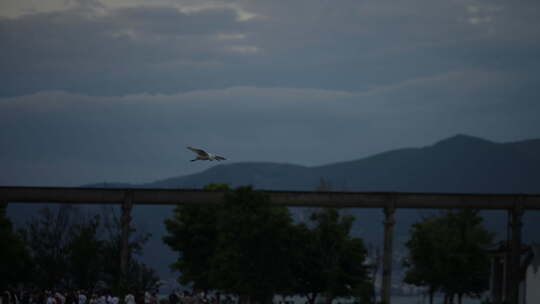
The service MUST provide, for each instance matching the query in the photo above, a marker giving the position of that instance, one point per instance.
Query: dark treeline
(62, 249)
(447, 254)
(247, 248)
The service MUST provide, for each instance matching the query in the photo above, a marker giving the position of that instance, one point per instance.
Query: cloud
(171, 47)
(122, 51)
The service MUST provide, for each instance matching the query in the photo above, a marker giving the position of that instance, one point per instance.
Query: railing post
(125, 221)
(387, 255)
(496, 281)
(515, 253)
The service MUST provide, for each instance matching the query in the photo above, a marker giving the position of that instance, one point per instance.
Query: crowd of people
(105, 297)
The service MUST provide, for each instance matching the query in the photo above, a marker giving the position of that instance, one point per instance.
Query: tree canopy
(193, 232)
(67, 250)
(14, 255)
(331, 261)
(246, 246)
(84, 258)
(446, 253)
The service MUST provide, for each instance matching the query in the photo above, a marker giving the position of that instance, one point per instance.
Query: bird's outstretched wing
(198, 151)
(220, 158)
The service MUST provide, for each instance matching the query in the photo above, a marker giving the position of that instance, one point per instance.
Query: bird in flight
(203, 155)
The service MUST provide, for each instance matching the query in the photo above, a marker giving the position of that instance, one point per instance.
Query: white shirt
(61, 298)
(129, 299)
(82, 299)
(147, 297)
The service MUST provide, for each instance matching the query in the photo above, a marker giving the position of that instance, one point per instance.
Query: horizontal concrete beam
(287, 198)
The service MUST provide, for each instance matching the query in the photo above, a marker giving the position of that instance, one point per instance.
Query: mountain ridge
(512, 167)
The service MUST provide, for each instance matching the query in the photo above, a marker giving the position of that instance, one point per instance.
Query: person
(5, 299)
(50, 298)
(101, 299)
(71, 297)
(60, 299)
(37, 298)
(129, 299)
(108, 298)
(14, 297)
(186, 298)
(173, 298)
(218, 298)
(154, 298)
(81, 297)
(140, 297)
(93, 299)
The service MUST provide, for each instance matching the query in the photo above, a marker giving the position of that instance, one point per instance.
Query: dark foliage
(447, 254)
(14, 256)
(248, 247)
(68, 250)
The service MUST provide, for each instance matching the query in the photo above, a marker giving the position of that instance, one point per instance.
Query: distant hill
(457, 164)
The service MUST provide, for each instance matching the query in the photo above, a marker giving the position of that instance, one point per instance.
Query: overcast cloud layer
(93, 92)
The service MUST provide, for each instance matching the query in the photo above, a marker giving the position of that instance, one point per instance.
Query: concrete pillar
(515, 253)
(507, 271)
(496, 284)
(387, 255)
(125, 221)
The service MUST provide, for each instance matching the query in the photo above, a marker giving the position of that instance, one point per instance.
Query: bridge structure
(514, 204)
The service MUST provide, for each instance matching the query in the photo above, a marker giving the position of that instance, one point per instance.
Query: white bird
(203, 155)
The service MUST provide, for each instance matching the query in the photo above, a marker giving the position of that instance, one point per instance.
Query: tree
(138, 274)
(469, 273)
(14, 256)
(333, 261)
(252, 256)
(246, 246)
(141, 277)
(85, 253)
(424, 264)
(447, 254)
(48, 239)
(241, 245)
(69, 251)
(193, 234)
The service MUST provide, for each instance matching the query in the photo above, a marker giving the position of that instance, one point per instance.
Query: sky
(113, 91)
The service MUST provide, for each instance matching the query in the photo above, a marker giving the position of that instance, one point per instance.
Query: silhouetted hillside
(260, 175)
(457, 164)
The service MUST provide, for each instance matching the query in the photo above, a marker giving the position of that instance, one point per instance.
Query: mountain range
(458, 164)
(461, 163)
